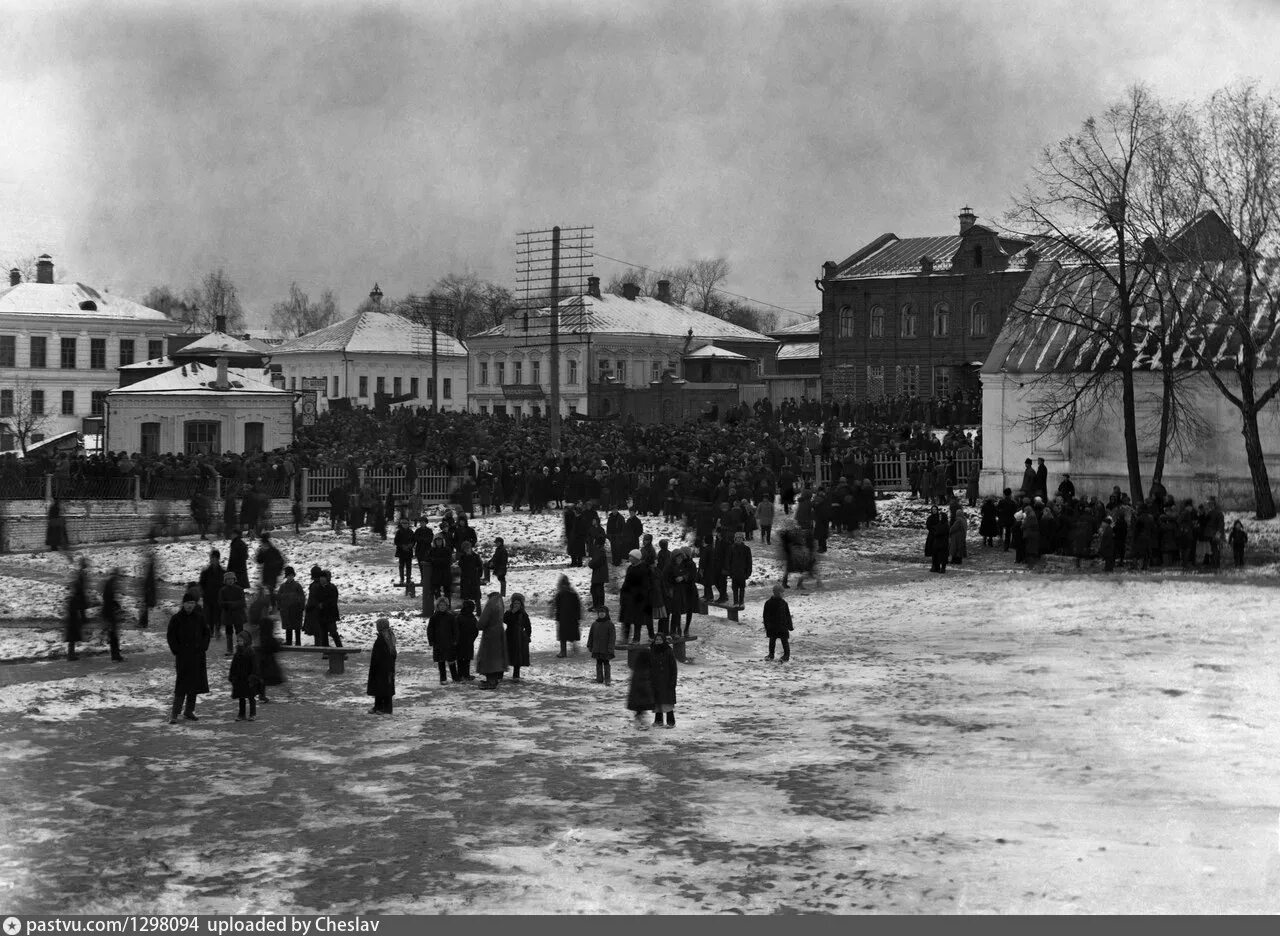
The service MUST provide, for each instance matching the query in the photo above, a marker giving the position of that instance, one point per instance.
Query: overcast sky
(340, 143)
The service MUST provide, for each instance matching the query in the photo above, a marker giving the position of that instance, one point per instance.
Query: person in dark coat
(633, 598)
(441, 566)
(498, 563)
(468, 631)
(601, 642)
(313, 610)
(599, 566)
(519, 633)
(272, 562)
(329, 613)
(228, 514)
(243, 674)
(566, 609)
(682, 589)
(1107, 545)
(262, 628)
(291, 600)
(234, 612)
(188, 637)
(989, 522)
(739, 568)
(937, 540)
(663, 672)
(491, 657)
(382, 669)
(1005, 511)
(147, 594)
(210, 586)
(640, 694)
(112, 612)
(777, 623)
(1042, 479)
(77, 608)
(238, 559)
(470, 569)
(1238, 539)
(404, 544)
(55, 535)
(442, 635)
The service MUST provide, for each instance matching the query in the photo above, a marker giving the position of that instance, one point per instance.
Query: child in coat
(1238, 538)
(468, 631)
(382, 669)
(777, 624)
(601, 640)
(243, 675)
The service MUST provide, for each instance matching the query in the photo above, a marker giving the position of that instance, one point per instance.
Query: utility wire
(641, 266)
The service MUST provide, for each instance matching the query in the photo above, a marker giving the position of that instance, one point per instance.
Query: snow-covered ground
(992, 740)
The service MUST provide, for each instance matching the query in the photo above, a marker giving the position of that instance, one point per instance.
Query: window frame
(66, 345)
(38, 361)
(942, 319)
(97, 402)
(482, 378)
(978, 315)
(908, 321)
(97, 354)
(844, 321)
(875, 376)
(8, 350)
(362, 386)
(128, 352)
(68, 402)
(37, 402)
(875, 328)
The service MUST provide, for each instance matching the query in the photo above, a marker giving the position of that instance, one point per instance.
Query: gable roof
(709, 352)
(198, 378)
(1046, 330)
(371, 332)
(799, 351)
(164, 362)
(74, 300)
(808, 327)
(218, 343)
(615, 315)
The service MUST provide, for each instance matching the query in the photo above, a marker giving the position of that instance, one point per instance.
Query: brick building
(917, 316)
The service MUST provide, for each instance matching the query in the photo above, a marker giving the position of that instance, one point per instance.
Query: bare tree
(298, 315)
(217, 297)
(26, 267)
(20, 416)
(498, 302)
(705, 277)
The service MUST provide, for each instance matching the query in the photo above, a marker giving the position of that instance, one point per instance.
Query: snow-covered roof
(616, 315)
(709, 351)
(218, 343)
(371, 332)
(199, 378)
(153, 364)
(808, 327)
(73, 300)
(798, 351)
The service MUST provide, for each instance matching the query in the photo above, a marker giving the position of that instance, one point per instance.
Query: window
(6, 402)
(7, 441)
(68, 402)
(413, 386)
(37, 402)
(98, 402)
(907, 378)
(484, 409)
(500, 372)
(517, 410)
(517, 372)
(941, 320)
(8, 351)
(396, 384)
(203, 436)
(907, 322)
(335, 386)
(68, 358)
(603, 364)
(535, 410)
(941, 381)
(39, 352)
(448, 388)
(483, 379)
(572, 372)
(877, 321)
(155, 348)
(499, 409)
(293, 383)
(253, 438)
(846, 322)
(875, 382)
(431, 389)
(977, 255)
(536, 368)
(382, 386)
(573, 409)
(364, 387)
(655, 371)
(126, 352)
(978, 320)
(149, 441)
(97, 354)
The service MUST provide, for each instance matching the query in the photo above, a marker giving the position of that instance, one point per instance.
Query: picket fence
(892, 472)
(435, 487)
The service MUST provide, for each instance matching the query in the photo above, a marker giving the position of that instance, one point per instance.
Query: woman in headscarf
(566, 607)
(491, 657)
(382, 669)
(519, 633)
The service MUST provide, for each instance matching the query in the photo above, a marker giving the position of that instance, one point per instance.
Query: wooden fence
(436, 487)
(892, 472)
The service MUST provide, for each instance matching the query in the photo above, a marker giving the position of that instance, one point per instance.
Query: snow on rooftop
(371, 332)
(73, 300)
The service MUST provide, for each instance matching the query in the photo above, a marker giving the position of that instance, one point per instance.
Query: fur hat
(636, 555)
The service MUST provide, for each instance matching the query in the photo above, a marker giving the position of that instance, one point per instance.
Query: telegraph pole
(554, 414)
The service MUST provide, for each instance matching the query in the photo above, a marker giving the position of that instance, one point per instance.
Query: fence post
(304, 491)
(48, 488)
(902, 472)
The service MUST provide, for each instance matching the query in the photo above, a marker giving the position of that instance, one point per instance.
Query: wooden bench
(337, 655)
(728, 607)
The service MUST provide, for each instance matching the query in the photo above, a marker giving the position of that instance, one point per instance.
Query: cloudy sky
(344, 142)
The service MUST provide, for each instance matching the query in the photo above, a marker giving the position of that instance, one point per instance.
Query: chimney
(15, 276)
(220, 324)
(593, 287)
(664, 291)
(375, 296)
(926, 264)
(44, 269)
(630, 291)
(222, 383)
(967, 218)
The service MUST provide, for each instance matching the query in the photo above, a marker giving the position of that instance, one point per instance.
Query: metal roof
(807, 327)
(74, 300)
(709, 351)
(798, 351)
(218, 343)
(371, 332)
(198, 378)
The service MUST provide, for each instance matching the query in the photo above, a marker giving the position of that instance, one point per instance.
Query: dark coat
(662, 672)
(640, 695)
(682, 585)
(77, 607)
(245, 681)
(498, 561)
(491, 657)
(211, 584)
(235, 614)
(442, 634)
(602, 639)
(470, 568)
(739, 561)
(468, 631)
(188, 640)
(238, 561)
(382, 670)
(403, 542)
(777, 617)
(291, 599)
(568, 613)
(634, 607)
(989, 525)
(519, 633)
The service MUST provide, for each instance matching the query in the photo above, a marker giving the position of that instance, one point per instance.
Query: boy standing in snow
(739, 568)
(243, 675)
(777, 623)
(601, 640)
